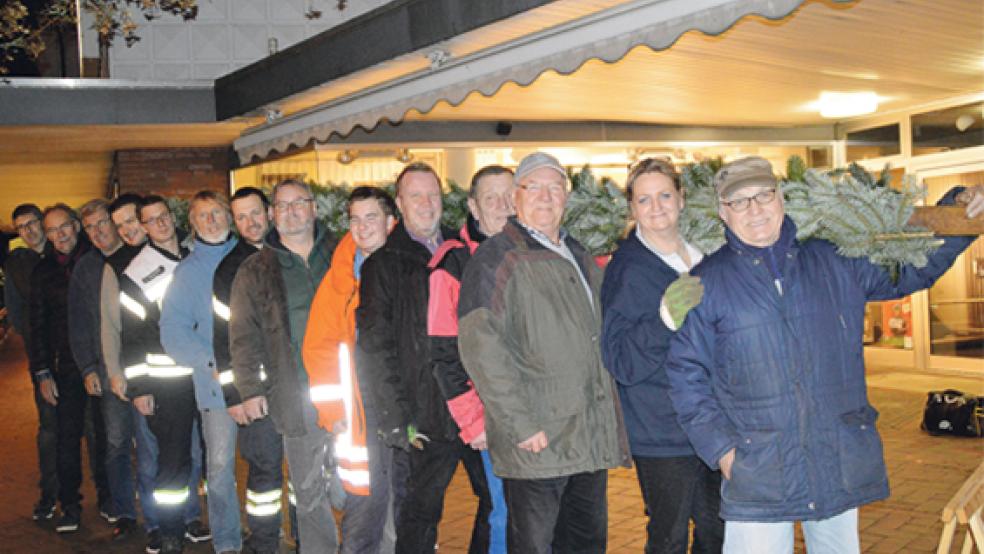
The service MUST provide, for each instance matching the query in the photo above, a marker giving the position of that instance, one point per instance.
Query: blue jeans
(147, 473)
(47, 440)
(223, 503)
(497, 517)
(834, 535)
(118, 417)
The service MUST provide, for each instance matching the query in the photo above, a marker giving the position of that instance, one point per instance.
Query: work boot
(172, 545)
(123, 527)
(154, 541)
(70, 519)
(196, 532)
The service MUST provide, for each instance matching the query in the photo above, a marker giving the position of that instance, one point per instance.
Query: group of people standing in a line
(377, 361)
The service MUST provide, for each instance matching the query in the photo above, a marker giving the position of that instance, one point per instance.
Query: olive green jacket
(529, 339)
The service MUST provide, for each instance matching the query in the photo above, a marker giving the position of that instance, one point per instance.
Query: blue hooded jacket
(780, 376)
(186, 319)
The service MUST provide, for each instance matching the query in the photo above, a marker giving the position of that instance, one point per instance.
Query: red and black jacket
(446, 268)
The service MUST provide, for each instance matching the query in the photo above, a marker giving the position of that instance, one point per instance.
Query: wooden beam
(947, 220)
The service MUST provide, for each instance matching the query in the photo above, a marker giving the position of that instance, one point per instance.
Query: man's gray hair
(93, 206)
(290, 183)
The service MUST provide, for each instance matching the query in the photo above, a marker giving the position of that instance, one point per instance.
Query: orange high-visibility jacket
(329, 344)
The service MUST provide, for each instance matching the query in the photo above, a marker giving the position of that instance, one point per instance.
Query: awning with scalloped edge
(607, 35)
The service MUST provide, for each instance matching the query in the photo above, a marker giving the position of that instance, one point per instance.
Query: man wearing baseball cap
(529, 322)
(767, 372)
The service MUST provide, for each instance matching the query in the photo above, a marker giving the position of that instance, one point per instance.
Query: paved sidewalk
(924, 472)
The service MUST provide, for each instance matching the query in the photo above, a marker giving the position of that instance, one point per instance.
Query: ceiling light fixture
(964, 122)
(833, 105)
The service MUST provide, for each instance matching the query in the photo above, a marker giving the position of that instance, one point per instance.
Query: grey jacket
(529, 339)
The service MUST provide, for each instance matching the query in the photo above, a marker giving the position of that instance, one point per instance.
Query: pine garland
(596, 212)
(862, 215)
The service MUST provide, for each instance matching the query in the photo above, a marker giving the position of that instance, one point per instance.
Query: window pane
(888, 324)
(949, 129)
(873, 143)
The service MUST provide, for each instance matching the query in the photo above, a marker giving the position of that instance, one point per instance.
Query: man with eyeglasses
(84, 335)
(767, 372)
(17, 295)
(271, 296)
(125, 425)
(161, 390)
(52, 365)
(528, 332)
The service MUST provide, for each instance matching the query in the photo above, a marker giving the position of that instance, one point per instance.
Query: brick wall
(173, 171)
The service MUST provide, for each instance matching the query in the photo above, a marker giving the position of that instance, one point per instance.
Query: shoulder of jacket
(448, 249)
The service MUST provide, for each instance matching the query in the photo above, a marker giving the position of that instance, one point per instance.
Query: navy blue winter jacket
(780, 377)
(635, 342)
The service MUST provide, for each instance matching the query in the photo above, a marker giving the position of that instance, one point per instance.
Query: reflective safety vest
(143, 284)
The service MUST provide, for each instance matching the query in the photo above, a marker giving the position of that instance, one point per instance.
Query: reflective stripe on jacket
(328, 345)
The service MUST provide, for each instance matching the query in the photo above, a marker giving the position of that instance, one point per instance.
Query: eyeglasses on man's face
(293, 205)
(160, 219)
(91, 228)
(742, 204)
(66, 227)
(32, 224)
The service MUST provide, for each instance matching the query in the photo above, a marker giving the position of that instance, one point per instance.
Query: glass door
(955, 304)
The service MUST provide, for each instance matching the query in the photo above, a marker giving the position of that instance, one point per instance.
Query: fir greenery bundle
(454, 206)
(332, 201)
(863, 216)
(699, 222)
(596, 212)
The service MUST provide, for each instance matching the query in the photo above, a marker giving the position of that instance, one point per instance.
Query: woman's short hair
(662, 166)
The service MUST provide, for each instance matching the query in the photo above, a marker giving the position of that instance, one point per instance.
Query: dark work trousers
(71, 426)
(47, 440)
(677, 490)
(562, 515)
(263, 449)
(95, 442)
(362, 516)
(431, 470)
(175, 414)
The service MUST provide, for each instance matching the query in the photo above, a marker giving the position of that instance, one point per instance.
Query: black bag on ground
(951, 412)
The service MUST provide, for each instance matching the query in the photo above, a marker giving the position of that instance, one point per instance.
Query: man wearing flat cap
(767, 373)
(529, 321)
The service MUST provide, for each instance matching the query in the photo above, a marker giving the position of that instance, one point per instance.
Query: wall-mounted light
(346, 157)
(404, 156)
(834, 105)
